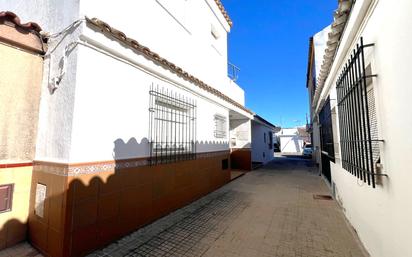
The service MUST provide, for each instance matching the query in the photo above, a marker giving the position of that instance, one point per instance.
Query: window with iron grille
(220, 126)
(6, 197)
(326, 131)
(270, 140)
(357, 117)
(172, 126)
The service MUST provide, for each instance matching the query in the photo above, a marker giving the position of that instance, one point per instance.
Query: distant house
(292, 140)
(262, 140)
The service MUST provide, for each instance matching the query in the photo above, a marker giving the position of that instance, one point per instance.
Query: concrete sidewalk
(268, 212)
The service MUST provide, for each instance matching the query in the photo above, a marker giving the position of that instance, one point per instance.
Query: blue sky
(269, 42)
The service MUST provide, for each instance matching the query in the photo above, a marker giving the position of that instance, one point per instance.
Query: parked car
(307, 150)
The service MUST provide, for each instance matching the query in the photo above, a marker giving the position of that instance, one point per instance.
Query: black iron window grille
(270, 140)
(172, 126)
(357, 117)
(326, 131)
(220, 126)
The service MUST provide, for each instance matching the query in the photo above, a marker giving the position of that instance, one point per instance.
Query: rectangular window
(220, 126)
(214, 32)
(232, 142)
(357, 117)
(172, 127)
(270, 140)
(6, 197)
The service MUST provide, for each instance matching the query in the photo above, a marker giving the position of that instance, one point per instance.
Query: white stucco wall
(112, 102)
(240, 133)
(184, 38)
(316, 143)
(319, 44)
(382, 215)
(55, 112)
(179, 31)
(260, 148)
(290, 141)
(291, 144)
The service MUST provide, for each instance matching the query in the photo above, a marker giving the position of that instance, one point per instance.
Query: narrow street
(267, 212)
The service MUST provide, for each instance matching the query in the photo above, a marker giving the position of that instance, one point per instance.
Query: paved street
(267, 212)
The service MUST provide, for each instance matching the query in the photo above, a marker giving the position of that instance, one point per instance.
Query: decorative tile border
(211, 154)
(82, 169)
(51, 167)
(75, 169)
(240, 149)
(15, 165)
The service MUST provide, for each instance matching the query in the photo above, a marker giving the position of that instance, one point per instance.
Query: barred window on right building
(358, 125)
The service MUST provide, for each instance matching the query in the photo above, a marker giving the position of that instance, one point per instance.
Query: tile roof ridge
(135, 45)
(224, 12)
(12, 17)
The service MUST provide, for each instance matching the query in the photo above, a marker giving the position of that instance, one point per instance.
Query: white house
(292, 140)
(317, 47)
(359, 100)
(262, 140)
(136, 116)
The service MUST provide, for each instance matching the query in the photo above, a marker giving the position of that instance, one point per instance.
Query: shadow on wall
(295, 141)
(131, 148)
(12, 232)
(108, 200)
(297, 146)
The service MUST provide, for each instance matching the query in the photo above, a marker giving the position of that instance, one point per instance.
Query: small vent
(322, 197)
(225, 164)
(6, 197)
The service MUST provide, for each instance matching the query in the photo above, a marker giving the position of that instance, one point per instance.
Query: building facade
(317, 47)
(292, 140)
(134, 116)
(21, 72)
(262, 140)
(358, 101)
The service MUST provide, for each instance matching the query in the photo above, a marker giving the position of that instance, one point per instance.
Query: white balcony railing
(233, 71)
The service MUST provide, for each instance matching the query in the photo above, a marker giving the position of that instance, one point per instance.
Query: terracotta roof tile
(341, 17)
(223, 10)
(12, 17)
(120, 36)
(23, 35)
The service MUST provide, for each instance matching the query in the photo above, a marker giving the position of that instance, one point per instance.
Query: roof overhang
(264, 122)
(22, 35)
